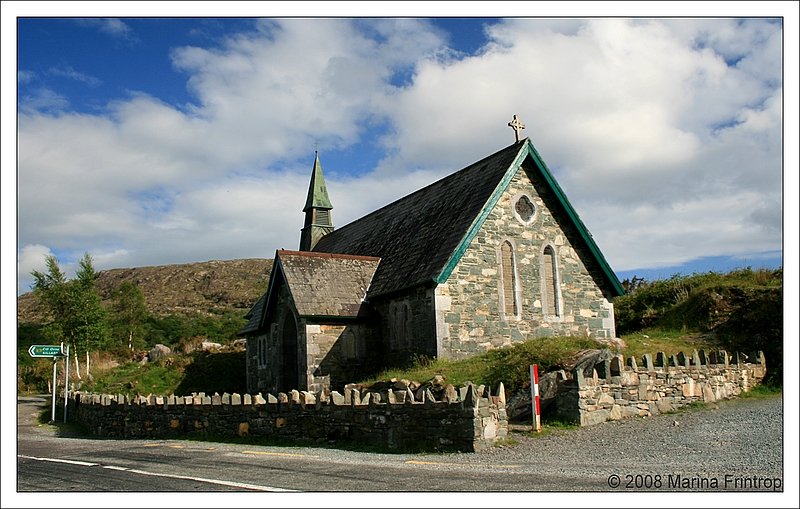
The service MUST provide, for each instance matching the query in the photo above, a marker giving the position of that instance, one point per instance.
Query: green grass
(133, 378)
(762, 392)
(179, 374)
(509, 365)
(654, 340)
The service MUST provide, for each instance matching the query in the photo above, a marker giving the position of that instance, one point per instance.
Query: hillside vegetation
(192, 289)
(741, 310)
(185, 305)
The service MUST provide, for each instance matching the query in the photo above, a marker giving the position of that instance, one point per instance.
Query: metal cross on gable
(517, 125)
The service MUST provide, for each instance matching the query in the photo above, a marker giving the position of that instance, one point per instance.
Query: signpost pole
(54, 352)
(53, 412)
(66, 380)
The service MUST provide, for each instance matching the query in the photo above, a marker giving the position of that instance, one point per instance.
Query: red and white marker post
(537, 419)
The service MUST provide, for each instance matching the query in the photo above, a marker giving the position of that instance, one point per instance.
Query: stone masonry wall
(468, 303)
(407, 325)
(465, 419)
(616, 390)
(337, 353)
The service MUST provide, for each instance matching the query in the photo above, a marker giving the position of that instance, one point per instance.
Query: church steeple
(317, 209)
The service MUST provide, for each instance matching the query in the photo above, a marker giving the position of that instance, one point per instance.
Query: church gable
(327, 285)
(312, 327)
(524, 270)
(529, 158)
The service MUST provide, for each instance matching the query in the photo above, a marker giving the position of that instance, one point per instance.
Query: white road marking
(232, 484)
(56, 460)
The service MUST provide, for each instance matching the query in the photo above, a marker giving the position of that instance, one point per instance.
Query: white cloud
(631, 115)
(42, 100)
(69, 72)
(24, 77)
(665, 134)
(110, 26)
(29, 258)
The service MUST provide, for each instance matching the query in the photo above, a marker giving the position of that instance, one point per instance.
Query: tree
(76, 313)
(51, 289)
(130, 310)
(90, 315)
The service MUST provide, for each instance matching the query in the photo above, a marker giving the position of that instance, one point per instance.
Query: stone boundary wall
(465, 419)
(617, 389)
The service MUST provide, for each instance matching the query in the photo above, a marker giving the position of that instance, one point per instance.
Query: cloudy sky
(150, 141)
(146, 140)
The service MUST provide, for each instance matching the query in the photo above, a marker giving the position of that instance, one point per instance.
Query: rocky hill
(186, 289)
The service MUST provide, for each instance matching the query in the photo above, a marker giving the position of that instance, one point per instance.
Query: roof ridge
(318, 254)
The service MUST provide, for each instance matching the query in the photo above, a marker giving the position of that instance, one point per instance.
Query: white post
(53, 411)
(66, 379)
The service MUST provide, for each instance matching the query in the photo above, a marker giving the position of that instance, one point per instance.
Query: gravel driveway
(732, 445)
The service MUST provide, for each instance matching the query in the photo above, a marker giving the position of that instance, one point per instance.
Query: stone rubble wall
(617, 389)
(465, 419)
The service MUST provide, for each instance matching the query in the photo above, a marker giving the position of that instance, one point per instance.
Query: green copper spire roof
(317, 192)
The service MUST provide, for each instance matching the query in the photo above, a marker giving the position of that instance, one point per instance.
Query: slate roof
(255, 314)
(327, 285)
(420, 237)
(321, 285)
(416, 235)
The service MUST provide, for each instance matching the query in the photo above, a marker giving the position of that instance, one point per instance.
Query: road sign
(45, 351)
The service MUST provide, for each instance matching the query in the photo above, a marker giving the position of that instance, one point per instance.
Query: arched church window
(509, 280)
(550, 282)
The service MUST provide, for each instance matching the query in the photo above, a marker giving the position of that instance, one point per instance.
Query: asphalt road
(668, 453)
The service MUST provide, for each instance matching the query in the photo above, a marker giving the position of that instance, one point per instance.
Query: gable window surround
(524, 208)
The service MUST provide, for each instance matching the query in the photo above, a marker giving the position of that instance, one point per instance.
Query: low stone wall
(466, 419)
(616, 389)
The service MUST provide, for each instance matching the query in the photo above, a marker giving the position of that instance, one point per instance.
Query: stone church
(490, 255)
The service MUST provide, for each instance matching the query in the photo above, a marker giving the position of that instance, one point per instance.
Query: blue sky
(160, 140)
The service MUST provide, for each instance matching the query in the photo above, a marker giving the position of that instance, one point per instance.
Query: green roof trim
(478, 222)
(528, 150)
(317, 191)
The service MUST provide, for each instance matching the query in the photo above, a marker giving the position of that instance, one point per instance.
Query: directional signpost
(46, 350)
(53, 351)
